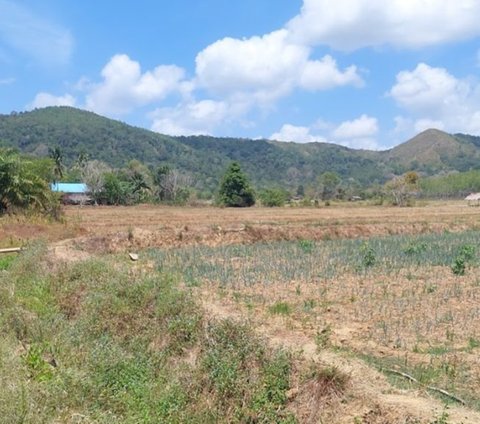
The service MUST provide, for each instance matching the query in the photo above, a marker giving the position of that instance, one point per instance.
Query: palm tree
(19, 186)
(59, 167)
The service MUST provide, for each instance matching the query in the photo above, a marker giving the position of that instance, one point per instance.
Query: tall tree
(20, 186)
(235, 189)
(93, 175)
(403, 188)
(328, 185)
(173, 186)
(59, 167)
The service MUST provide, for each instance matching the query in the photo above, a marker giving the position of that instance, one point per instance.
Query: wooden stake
(11, 250)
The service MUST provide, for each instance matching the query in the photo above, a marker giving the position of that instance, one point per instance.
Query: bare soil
(104, 229)
(376, 317)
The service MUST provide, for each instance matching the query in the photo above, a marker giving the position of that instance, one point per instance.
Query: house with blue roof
(72, 193)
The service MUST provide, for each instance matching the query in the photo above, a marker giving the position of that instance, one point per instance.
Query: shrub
(306, 246)
(465, 254)
(273, 197)
(368, 255)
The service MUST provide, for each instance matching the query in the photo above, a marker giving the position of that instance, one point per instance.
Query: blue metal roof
(69, 188)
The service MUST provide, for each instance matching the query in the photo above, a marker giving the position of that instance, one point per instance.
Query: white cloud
(428, 90)
(426, 124)
(46, 99)
(324, 74)
(266, 68)
(357, 134)
(44, 41)
(359, 128)
(264, 65)
(297, 134)
(7, 81)
(354, 24)
(193, 118)
(125, 87)
(434, 97)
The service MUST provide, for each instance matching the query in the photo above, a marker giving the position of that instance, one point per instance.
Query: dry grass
(113, 229)
(408, 313)
(402, 309)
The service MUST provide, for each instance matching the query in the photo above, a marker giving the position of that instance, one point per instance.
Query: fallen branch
(11, 250)
(431, 388)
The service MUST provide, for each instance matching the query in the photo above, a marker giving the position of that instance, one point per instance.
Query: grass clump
(306, 246)
(239, 367)
(465, 254)
(98, 342)
(368, 255)
(280, 308)
(6, 262)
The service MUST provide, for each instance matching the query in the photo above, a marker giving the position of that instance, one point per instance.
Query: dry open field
(119, 228)
(368, 290)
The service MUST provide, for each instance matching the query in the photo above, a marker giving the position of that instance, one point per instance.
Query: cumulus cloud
(425, 124)
(192, 118)
(125, 87)
(357, 134)
(22, 30)
(428, 90)
(47, 99)
(324, 74)
(297, 134)
(434, 98)
(266, 68)
(354, 24)
(362, 127)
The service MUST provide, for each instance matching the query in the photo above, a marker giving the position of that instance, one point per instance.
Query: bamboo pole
(11, 250)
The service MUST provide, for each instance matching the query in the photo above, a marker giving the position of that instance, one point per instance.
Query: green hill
(433, 151)
(268, 163)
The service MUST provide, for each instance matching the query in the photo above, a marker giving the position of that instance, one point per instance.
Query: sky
(366, 74)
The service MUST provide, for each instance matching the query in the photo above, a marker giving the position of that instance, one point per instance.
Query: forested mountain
(433, 151)
(268, 163)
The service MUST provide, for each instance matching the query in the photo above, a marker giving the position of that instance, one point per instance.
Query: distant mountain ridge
(268, 163)
(433, 151)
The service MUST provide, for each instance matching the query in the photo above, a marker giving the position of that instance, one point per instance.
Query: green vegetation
(6, 261)
(329, 185)
(24, 184)
(465, 254)
(99, 342)
(72, 137)
(368, 255)
(305, 260)
(235, 189)
(280, 308)
(82, 135)
(455, 184)
(274, 197)
(402, 189)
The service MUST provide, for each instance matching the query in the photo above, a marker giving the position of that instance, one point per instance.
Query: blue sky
(361, 73)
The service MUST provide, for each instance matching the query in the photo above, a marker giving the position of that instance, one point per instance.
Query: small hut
(473, 199)
(72, 193)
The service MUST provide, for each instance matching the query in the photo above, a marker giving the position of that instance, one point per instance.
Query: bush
(273, 197)
(465, 254)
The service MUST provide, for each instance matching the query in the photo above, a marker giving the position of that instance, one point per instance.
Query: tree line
(25, 185)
